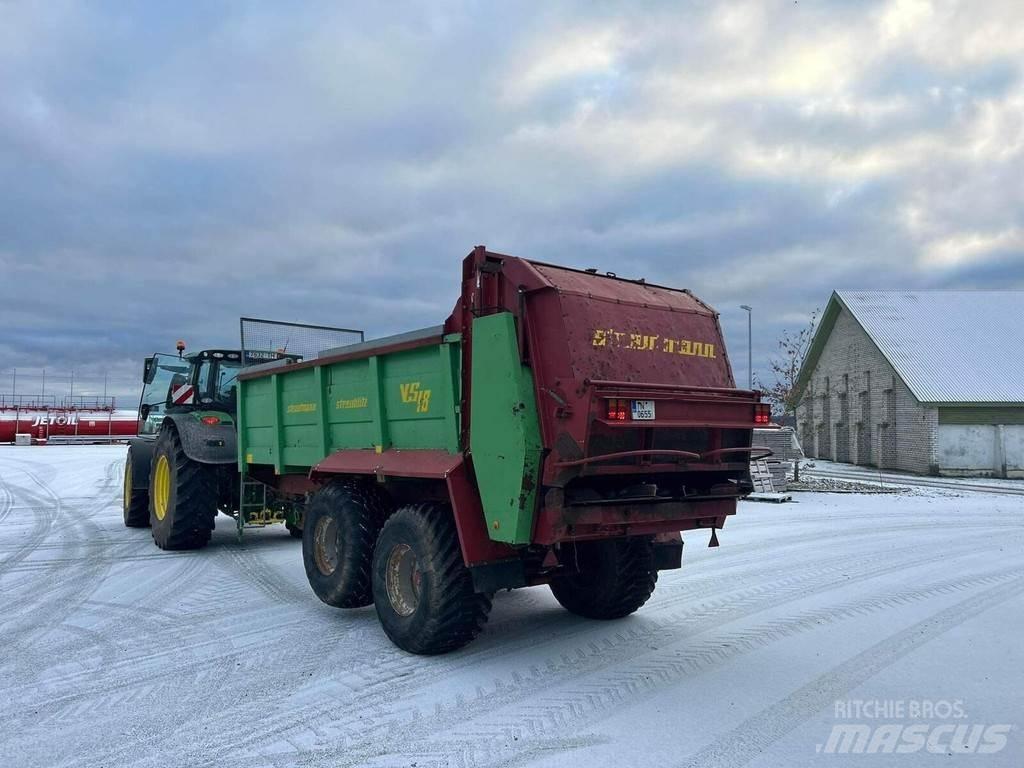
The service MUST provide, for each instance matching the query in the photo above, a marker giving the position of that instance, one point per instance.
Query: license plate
(643, 410)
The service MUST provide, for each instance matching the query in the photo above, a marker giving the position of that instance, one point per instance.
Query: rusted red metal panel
(426, 463)
(454, 469)
(477, 547)
(588, 336)
(560, 524)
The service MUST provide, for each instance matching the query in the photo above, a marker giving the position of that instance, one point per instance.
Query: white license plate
(643, 410)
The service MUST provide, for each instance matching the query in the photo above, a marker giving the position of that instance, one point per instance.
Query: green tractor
(182, 466)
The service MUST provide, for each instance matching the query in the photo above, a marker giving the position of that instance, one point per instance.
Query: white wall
(1013, 443)
(981, 448)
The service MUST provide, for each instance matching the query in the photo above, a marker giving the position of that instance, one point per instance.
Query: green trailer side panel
(256, 442)
(504, 430)
(293, 419)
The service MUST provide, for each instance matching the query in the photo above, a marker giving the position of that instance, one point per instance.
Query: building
(923, 381)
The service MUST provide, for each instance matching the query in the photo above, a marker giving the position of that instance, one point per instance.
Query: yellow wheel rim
(128, 484)
(161, 487)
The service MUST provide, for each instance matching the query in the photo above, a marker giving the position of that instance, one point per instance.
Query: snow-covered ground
(114, 653)
(862, 474)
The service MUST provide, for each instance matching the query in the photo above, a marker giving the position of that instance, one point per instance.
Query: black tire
(606, 579)
(426, 605)
(135, 503)
(339, 531)
(294, 530)
(191, 501)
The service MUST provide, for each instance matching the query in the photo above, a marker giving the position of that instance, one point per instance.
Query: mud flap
(668, 551)
(505, 574)
(206, 444)
(141, 452)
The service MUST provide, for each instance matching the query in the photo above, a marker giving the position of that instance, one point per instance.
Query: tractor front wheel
(606, 579)
(136, 502)
(182, 497)
(422, 590)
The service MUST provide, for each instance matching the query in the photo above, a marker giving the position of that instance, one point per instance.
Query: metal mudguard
(140, 451)
(204, 443)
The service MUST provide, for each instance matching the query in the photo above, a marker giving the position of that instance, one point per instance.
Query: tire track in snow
(260, 574)
(588, 703)
(522, 636)
(749, 739)
(67, 587)
(374, 708)
(76, 529)
(43, 519)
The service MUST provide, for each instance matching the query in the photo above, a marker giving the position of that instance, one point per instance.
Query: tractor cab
(179, 383)
(182, 383)
(182, 467)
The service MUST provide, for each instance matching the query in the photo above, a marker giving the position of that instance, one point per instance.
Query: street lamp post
(750, 345)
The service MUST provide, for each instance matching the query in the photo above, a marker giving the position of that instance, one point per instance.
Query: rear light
(762, 413)
(618, 409)
(210, 420)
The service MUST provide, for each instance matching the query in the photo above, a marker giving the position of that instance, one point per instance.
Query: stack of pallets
(762, 477)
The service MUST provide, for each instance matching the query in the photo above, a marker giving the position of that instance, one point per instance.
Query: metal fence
(68, 402)
(264, 340)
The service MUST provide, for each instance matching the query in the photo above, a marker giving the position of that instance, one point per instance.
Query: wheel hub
(325, 545)
(161, 487)
(403, 579)
(128, 485)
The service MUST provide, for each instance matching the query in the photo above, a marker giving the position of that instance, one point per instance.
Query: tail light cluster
(618, 409)
(762, 413)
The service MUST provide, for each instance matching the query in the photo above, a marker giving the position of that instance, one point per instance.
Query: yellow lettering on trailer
(352, 402)
(412, 393)
(301, 407)
(648, 342)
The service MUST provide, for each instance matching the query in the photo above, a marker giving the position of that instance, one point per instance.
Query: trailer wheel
(606, 579)
(135, 503)
(338, 533)
(182, 497)
(422, 590)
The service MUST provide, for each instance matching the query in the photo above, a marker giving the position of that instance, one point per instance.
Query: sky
(167, 168)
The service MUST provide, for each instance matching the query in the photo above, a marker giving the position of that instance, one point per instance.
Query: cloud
(168, 169)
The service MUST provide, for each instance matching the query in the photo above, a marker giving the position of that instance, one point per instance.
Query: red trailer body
(593, 340)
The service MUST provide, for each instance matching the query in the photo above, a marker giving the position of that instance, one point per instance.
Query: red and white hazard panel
(183, 395)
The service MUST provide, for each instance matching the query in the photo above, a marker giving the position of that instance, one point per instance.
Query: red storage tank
(67, 424)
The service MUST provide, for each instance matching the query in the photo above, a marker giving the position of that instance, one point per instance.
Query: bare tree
(784, 367)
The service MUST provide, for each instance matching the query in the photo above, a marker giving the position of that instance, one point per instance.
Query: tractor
(182, 465)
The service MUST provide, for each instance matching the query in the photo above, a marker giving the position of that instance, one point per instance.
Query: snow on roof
(947, 346)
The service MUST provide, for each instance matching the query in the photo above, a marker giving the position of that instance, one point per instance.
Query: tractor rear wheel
(338, 532)
(136, 502)
(422, 590)
(182, 496)
(606, 579)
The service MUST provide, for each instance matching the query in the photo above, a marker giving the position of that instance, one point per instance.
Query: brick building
(923, 381)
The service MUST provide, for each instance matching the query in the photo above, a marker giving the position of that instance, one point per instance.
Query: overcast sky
(165, 168)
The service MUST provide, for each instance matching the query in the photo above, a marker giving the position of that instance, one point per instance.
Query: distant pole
(104, 384)
(71, 397)
(43, 393)
(14, 382)
(750, 345)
